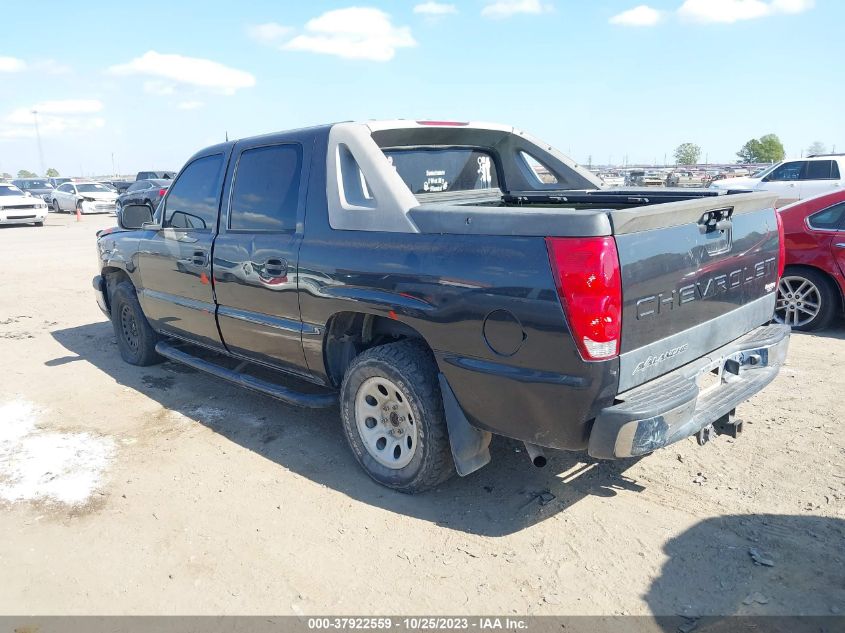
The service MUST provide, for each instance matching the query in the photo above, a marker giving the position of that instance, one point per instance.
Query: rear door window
(265, 194)
(435, 169)
(194, 197)
(830, 219)
(822, 170)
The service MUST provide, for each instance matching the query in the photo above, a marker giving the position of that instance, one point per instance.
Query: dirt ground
(128, 490)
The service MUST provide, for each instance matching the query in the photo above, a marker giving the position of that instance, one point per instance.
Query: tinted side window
(265, 194)
(829, 219)
(135, 186)
(193, 199)
(820, 170)
(788, 171)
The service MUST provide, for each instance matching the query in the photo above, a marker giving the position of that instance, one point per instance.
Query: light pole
(38, 138)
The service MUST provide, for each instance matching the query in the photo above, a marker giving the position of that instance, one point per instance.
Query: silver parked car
(88, 197)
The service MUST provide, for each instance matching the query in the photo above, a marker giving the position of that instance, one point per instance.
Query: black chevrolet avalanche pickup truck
(443, 282)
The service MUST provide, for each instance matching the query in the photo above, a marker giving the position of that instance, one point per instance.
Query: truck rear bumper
(690, 398)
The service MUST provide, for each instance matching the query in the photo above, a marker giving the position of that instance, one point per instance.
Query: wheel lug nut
(395, 407)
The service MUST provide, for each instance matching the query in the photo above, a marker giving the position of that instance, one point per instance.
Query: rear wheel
(39, 223)
(136, 340)
(807, 300)
(56, 207)
(393, 418)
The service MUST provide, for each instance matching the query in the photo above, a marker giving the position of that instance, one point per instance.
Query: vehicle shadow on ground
(753, 565)
(836, 331)
(506, 496)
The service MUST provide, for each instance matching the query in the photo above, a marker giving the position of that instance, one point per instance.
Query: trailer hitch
(728, 424)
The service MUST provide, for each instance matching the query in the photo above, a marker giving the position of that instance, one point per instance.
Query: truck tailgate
(696, 275)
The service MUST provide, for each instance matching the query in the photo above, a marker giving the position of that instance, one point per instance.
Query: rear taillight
(161, 192)
(589, 285)
(781, 245)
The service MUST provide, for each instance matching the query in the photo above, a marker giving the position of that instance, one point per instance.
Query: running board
(286, 395)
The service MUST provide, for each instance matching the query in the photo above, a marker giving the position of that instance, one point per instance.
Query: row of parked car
(87, 196)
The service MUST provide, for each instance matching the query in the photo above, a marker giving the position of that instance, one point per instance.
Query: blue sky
(152, 83)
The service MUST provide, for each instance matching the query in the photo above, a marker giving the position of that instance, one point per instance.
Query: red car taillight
(589, 284)
(781, 244)
(161, 192)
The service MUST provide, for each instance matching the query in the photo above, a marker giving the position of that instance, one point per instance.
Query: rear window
(435, 170)
(829, 219)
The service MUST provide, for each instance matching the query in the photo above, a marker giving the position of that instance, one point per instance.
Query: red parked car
(811, 291)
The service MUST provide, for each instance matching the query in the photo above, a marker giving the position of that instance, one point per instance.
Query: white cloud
(268, 33)
(54, 118)
(194, 71)
(69, 106)
(159, 88)
(11, 65)
(730, 11)
(353, 33)
(51, 67)
(642, 15)
(507, 8)
(189, 105)
(435, 8)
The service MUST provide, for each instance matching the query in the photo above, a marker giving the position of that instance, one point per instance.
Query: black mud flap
(470, 446)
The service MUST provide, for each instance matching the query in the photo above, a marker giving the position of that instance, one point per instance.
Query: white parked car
(794, 180)
(88, 197)
(17, 207)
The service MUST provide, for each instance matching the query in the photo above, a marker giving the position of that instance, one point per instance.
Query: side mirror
(27, 194)
(135, 216)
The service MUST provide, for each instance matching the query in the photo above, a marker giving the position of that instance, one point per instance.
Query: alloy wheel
(798, 302)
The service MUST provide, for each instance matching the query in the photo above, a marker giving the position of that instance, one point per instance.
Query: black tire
(78, 207)
(39, 223)
(411, 367)
(830, 300)
(136, 340)
(56, 207)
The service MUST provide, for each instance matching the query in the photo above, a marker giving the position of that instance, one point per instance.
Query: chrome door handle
(840, 245)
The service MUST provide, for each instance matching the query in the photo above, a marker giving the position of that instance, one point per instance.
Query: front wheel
(136, 340)
(393, 417)
(806, 301)
(56, 207)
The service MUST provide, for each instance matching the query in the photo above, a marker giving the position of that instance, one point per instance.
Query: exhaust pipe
(536, 455)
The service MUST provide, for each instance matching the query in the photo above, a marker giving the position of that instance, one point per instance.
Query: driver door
(786, 181)
(175, 260)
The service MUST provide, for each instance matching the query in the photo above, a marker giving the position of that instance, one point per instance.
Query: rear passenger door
(821, 176)
(175, 261)
(256, 252)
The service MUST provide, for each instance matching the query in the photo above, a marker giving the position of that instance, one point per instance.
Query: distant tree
(24, 173)
(5, 175)
(766, 149)
(687, 154)
(52, 173)
(817, 148)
